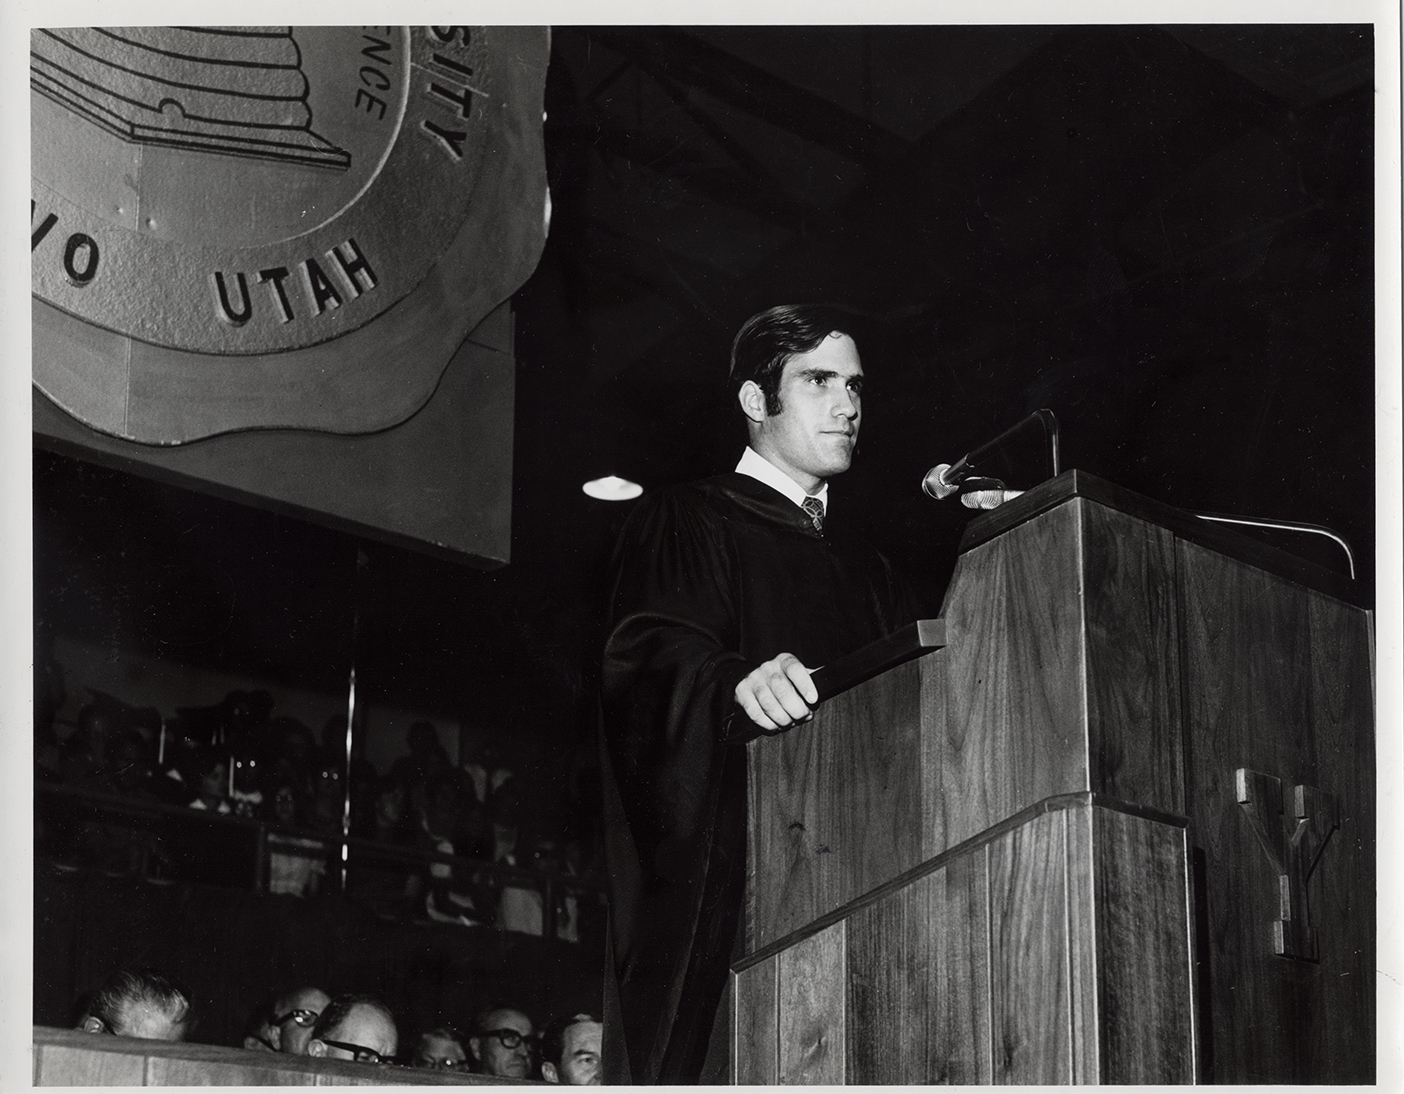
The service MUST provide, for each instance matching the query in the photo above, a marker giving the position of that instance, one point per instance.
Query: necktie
(815, 509)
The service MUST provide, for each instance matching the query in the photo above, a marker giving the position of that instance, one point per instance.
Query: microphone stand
(944, 479)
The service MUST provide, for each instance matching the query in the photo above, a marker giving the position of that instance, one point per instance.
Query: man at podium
(726, 592)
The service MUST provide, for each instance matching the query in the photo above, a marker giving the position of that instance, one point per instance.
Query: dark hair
(767, 340)
(136, 987)
(480, 1025)
(339, 1009)
(553, 1037)
(448, 1033)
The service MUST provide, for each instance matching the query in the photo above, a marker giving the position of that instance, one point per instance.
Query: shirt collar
(758, 467)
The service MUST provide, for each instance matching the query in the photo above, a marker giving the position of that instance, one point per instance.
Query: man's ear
(752, 401)
(548, 1072)
(316, 1048)
(475, 1046)
(275, 1037)
(91, 1024)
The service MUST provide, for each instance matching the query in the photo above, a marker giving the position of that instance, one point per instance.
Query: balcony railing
(161, 842)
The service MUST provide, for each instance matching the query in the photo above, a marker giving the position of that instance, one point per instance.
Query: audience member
(501, 1043)
(570, 1051)
(440, 1049)
(354, 1027)
(519, 907)
(450, 896)
(129, 774)
(553, 857)
(83, 758)
(243, 717)
(389, 889)
(484, 762)
(285, 1024)
(328, 793)
(212, 780)
(392, 820)
(246, 787)
(140, 1003)
(292, 755)
(426, 756)
(296, 864)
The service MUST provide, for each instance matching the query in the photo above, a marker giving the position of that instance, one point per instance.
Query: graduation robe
(709, 580)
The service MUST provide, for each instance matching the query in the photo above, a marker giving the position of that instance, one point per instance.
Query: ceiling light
(612, 488)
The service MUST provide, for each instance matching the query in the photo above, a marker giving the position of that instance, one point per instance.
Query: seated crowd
(238, 758)
(501, 1042)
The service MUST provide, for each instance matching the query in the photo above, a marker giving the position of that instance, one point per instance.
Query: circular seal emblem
(249, 190)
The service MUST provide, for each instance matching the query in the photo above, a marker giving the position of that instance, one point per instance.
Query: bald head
(354, 1027)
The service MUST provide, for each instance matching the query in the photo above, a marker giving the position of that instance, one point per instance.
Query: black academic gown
(709, 580)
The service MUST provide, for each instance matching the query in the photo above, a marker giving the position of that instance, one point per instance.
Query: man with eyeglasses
(502, 1043)
(287, 1023)
(355, 1027)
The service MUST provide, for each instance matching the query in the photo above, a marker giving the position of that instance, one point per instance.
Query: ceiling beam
(722, 183)
(667, 53)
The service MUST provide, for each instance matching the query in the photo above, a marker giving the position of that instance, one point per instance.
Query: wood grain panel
(1030, 1004)
(1084, 943)
(917, 990)
(877, 970)
(67, 1065)
(1342, 889)
(811, 994)
(841, 809)
(68, 1058)
(1265, 690)
(1143, 966)
(1133, 686)
(933, 719)
(1186, 526)
(163, 1071)
(756, 1048)
(959, 1042)
(1015, 729)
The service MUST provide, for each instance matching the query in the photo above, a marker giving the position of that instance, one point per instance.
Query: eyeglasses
(305, 1018)
(510, 1038)
(360, 1053)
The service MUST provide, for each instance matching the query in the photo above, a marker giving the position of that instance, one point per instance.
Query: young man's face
(813, 436)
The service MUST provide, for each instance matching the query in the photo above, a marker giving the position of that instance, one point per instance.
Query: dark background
(1164, 234)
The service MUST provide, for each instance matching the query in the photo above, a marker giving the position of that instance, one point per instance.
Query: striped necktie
(815, 510)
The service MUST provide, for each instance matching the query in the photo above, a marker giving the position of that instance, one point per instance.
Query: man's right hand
(778, 693)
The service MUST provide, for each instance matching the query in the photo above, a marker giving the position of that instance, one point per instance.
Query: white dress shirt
(759, 468)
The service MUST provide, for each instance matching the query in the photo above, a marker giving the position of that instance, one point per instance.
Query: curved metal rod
(1287, 526)
(965, 466)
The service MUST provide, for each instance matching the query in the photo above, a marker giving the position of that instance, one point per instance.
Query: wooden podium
(1109, 819)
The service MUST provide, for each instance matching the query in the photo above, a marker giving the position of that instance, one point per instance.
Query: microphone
(936, 485)
(945, 479)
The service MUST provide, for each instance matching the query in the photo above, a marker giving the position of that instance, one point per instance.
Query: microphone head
(935, 485)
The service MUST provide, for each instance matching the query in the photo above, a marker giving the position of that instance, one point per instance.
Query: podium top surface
(1215, 537)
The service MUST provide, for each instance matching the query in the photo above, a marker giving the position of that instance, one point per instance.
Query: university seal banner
(275, 227)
